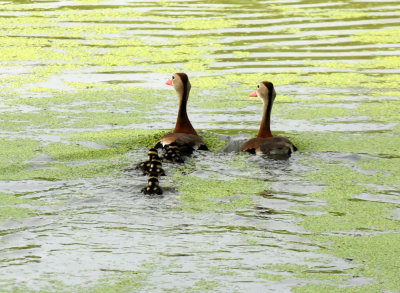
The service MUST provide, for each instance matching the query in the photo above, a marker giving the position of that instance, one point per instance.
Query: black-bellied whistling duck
(265, 142)
(184, 134)
(153, 187)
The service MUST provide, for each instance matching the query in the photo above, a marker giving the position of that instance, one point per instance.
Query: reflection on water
(93, 232)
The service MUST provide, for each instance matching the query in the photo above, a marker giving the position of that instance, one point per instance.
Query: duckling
(184, 133)
(151, 155)
(152, 187)
(265, 142)
(172, 154)
(155, 168)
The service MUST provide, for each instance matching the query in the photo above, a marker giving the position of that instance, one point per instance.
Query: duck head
(181, 84)
(266, 92)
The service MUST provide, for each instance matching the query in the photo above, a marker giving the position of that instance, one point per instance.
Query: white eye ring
(173, 77)
(258, 86)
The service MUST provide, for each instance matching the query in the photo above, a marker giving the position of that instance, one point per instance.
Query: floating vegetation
(207, 195)
(206, 24)
(391, 36)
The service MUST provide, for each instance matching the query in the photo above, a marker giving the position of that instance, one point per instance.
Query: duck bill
(169, 82)
(253, 94)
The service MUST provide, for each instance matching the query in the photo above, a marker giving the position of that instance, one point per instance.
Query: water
(72, 67)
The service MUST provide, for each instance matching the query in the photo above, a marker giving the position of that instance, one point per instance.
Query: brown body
(184, 133)
(191, 140)
(259, 145)
(265, 142)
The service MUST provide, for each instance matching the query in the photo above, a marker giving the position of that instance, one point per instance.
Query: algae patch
(14, 207)
(349, 226)
(212, 195)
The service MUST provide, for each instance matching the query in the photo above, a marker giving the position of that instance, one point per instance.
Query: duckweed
(384, 144)
(11, 213)
(208, 195)
(346, 213)
(205, 24)
(10, 210)
(391, 36)
(213, 141)
(376, 256)
(129, 138)
(312, 113)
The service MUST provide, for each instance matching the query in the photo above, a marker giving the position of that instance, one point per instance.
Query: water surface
(83, 96)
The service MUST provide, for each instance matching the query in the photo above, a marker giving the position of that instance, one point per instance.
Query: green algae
(249, 80)
(61, 171)
(280, 272)
(212, 195)
(14, 154)
(129, 138)
(12, 213)
(312, 113)
(76, 161)
(391, 36)
(380, 143)
(205, 24)
(71, 152)
(10, 208)
(213, 141)
(387, 62)
(381, 111)
(93, 119)
(313, 13)
(123, 282)
(337, 79)
(387, 169)
(344, 213)
(226, 101)
(44, 119)
(377, 256)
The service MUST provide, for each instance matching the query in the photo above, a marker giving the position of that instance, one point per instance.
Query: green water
(83, 97)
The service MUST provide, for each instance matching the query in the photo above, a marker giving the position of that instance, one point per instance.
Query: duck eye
(258, 86)
(173, 77)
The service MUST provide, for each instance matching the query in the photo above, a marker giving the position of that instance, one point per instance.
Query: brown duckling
(184, 133)
(153, 186)
(265, 142)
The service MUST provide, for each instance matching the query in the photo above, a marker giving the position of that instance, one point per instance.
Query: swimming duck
(155, 168)
(184, 134)
(265, 142)
(153, 187)
(145, 166)
(172, 153)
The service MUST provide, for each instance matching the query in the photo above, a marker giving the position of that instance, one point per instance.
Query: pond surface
(83, 97)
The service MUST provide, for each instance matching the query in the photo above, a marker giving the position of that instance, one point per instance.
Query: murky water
(74, 218)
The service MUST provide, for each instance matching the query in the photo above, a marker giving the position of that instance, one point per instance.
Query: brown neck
(183, 124)
(265, 130)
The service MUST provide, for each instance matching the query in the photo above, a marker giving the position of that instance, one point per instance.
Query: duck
(154, 168)
(265, 142)
(172, 154)
(151, 154)
(184, 135)
(153, 165)
(153, 186)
